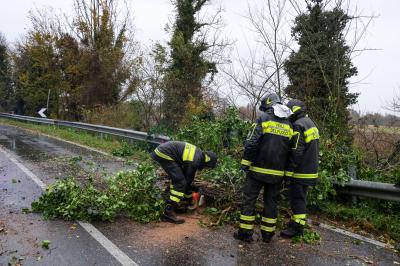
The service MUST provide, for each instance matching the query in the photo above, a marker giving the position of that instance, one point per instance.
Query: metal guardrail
(119, 132)
(368, 189)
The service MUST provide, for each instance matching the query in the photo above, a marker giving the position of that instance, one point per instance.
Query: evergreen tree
(188, 66)
(6, 88)
(319, 71)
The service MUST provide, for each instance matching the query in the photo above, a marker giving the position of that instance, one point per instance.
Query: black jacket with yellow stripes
(304, 156)
(186, 155)
(267, 147)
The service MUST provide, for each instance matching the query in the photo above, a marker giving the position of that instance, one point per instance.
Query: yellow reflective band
(299, 221)
(245, 162)
(299, 216)
(246, 226)
(276, 128)
(247, 218)
(188, 153)
(266, 171)
(188, 196)
(162, 155)
(207, 158)
(171, 186)
(176, 193)
(296, 108)
(296, 134)
(297, 175)
(288, 173)
(269, 220)
(311, 134)
(268, 228)
(174, 198)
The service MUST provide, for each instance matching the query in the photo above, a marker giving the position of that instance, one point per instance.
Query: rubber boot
(244, 235)
(169, 215)
(267, 236)
(294, 229)
(182, 207)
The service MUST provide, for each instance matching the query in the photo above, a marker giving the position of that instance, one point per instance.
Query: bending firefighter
(181, 160)
(303, 166)
(265, 158)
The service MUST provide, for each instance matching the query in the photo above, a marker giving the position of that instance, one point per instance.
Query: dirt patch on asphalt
(164, 234)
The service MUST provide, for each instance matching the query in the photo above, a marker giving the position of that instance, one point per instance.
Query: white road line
(356, 236)
(107, 244)
(24, 169)
(118, 254)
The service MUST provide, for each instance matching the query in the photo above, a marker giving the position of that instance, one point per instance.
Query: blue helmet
(268, 101)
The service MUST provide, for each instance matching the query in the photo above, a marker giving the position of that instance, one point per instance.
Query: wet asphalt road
(152, 244)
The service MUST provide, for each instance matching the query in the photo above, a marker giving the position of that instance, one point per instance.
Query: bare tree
(261, 72)
(149, 90)
(394, 105)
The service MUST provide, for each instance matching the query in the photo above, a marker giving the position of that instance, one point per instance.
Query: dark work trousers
(251, 191)
(175, 173)
(298, 197)
(178, 180)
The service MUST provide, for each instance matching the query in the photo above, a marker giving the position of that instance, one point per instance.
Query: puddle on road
(23, 147)
(57, 158)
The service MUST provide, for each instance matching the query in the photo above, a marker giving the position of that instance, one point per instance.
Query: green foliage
(46, 244)
(381, 218)
(320, 70)
(125, 150)
(188, 65)
(227, 131)
(82, 63)
(131, 193)
(391, 175)
(309, 237)
(6, 90)
(335, 161)
(226, 178)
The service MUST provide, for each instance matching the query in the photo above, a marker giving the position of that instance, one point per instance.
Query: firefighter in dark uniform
(265, 157)
(302, 169)
(181, 160)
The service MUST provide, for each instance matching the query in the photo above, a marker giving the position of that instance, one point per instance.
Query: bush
(380, 217)
(132, 193)
(227, 179)
(335, 160)
(226, 132)
(123, 115)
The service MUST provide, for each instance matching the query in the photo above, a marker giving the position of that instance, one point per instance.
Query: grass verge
(367, 217)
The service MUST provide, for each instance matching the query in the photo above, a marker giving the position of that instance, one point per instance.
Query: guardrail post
(353, 176)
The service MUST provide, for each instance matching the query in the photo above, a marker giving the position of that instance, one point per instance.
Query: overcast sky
(379, 71)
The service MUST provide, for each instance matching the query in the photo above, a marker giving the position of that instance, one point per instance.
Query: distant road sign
(41, 112)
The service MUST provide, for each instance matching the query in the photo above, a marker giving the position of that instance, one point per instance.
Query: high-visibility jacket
(304, 156)
(186, 155)
(267, 147)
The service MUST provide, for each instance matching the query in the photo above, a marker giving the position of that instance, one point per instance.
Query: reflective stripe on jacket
(267, 147)
(304, 156)
(186, 155)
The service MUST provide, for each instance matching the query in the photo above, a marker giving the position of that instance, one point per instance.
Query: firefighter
(265, 158)
(181, 160)
(302, 169)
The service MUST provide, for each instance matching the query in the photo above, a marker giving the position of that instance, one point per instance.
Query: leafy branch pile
(226, 136)
(310, 237)
(131, 193)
